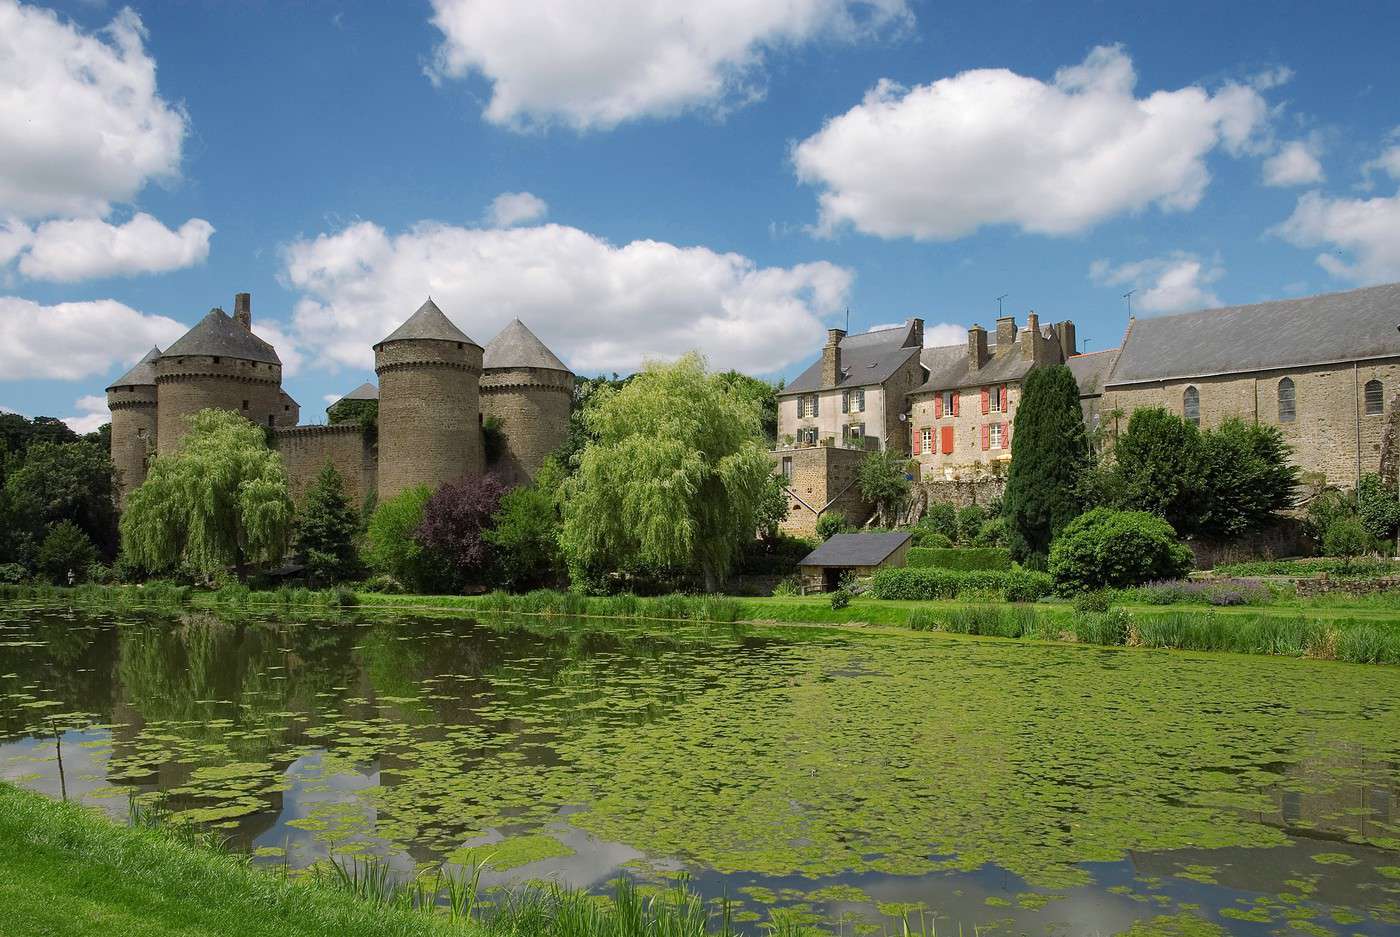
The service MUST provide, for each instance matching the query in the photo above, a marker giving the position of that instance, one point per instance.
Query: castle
(437, 388)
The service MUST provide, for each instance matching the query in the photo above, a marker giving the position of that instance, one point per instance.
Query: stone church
(437, 388)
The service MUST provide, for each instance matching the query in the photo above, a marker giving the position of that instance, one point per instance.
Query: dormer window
(216, 359)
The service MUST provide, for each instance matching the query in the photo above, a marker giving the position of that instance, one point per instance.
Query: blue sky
(730, 179)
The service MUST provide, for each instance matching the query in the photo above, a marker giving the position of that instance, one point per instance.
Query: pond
(834, 776)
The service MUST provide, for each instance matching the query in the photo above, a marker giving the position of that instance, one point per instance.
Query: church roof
(218, 334)
(1315, 330)
(517, 347)
(142, 374)
(427, 324)
(1091, 370)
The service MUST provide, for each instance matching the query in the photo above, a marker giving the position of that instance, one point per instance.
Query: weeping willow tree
(220, 501)
(672, 477)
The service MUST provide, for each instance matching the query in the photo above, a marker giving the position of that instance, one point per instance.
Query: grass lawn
(66, 871)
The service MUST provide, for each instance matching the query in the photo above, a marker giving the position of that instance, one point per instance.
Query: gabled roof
(218, 334)
(517, 347)
(948, 367)
(867, 358)
(856, 550)
(427, 324)
(1316, 330)
(288, 398)
(142, 374)
(1091, 370)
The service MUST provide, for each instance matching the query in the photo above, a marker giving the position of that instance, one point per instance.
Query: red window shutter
(956, 397)
(938, 406)
(1005, 435)
(918, 440)
(1005, 399)
(947, 440)
(986, 403)
(986, 432)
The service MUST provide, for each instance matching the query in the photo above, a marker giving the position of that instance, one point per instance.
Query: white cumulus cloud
(1295, 163)
(92, 413)
(82, 248)
(599, 306)
(991, 147)
(1178, 282)
(1360, 237)
(593, 64)
(81, 122)
(1388, 162)
(69, 341)
(513, 208)
(944, 333)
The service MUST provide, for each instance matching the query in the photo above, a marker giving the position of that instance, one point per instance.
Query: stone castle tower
(132, 400)
(525, 386)
(432, 397)
(429, 403)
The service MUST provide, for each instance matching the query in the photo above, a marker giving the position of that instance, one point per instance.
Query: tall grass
(674, 607)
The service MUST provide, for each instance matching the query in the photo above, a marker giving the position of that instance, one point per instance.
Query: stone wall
(186, 385)
(963, 492)
(822, 481)
(533, 407)
(134, 434)
(1332, 435)
(1322, 585)
(305, 450)
(429, 413)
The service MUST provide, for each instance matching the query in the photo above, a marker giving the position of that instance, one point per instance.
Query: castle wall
(533, 407)
(305, 450)
(186, 385)
(1331, 433)
(134, 434)
(429, 413)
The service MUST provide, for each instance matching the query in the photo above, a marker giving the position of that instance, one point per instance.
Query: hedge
(934, 583)
(961, 558)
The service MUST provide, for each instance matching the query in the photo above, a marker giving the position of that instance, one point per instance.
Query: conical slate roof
(142, 374)
(218, 334)
(428, 324)
(517, 347)
(365, 391)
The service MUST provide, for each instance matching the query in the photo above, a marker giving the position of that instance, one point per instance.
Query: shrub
(384, 584)
(1377, 506)
(66, 551)
(970, 521)
(11, 573)
(963, 558)
(840, 598)
(942, 519)
(1108, 548)
(829, 525)
(390, 546)
(1096, 601)
(456, 521)
(931, 538)
(788, 587)
(1109, 627)
(1346, 538)
(935, 583)
(992, 533)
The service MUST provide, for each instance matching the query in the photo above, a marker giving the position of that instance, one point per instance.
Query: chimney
(916, 334)
(831, 357)
(1006, 334)
(1033, 338)
(243, 310)
(976, 348)
(1068, 346)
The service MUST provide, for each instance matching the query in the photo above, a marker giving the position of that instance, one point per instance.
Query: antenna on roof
(999, 299)
(1129, 297)
(848, 320)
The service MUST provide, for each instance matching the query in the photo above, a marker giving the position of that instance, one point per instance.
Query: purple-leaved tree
(454, 521)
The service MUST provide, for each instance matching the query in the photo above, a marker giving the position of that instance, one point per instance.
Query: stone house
(436, 387)
(1323, 369)
(852, 554)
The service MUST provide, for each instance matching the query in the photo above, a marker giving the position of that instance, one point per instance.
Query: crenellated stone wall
(188, 384)
(429, 413)
(533, 407)
(305, 450)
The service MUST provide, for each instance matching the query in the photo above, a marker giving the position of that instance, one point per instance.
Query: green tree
(220, 501)
(762, 393)
(66, 551)
(1104, 548)
(772, 508)
(64, 481)
(326, 529)
(1159, 463)
(1049, 459)
(390, 545)
(673, 475)
(829, 525)
(525, 531)
(1377, 506)
(970, 521)
(1246, 478)
(1347, 538)
(884, 482)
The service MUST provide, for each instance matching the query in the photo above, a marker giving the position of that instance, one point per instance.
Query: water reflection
(815, 774)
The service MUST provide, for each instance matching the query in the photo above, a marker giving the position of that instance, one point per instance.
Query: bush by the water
(1112, 549)
(962, 558)
(1306, 568)
(932, 583)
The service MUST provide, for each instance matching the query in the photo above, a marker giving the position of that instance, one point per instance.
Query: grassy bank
(68, 872)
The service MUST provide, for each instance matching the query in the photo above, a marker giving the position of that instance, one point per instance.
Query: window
(816, 405)
(1375, 398)
(999, 399)
(269, 419)
(1191, 405)
(807, 406)
(845, 401)
(1287, 401)
(948, 407)
(995, 437)
(926, 439)
(854, 434)
(245, 405)
(859, 399)
(807, 436)
(286, 408)
(216, 359)
(787, 467)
